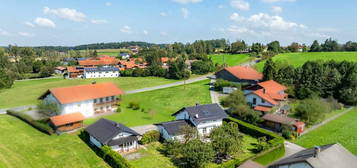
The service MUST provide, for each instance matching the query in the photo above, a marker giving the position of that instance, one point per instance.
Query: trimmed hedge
(111, 157)
(150, 136)
(276, 144)
(39, 125)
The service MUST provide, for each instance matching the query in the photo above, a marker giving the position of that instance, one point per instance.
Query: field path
(327, 120)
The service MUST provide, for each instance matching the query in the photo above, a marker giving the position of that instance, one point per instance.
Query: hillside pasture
(298, 59)
(230, 59)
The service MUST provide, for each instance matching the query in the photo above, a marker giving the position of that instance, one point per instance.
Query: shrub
(150, 136)
(202, 67)
(118, 109)
(113, 158)
(220, 83)
(134, 105)
(288, 133)
(39, 125)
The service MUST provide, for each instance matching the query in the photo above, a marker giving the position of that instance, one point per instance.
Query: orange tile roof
(262, 108)
(265, 96)
(103, 60)
(164, 59)
(245, 73)
(72, 69)
(67, 118)
(79, 93)
(272, 86)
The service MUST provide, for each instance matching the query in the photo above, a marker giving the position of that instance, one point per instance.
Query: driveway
(144, 128)
(192, 80)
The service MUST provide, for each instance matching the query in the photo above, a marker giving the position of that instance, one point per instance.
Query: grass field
(27, 92)
(153, 158)
(298, 59)
(25, 147)
(230, 59)
(110, 52)
(158, 105)
(342, 130)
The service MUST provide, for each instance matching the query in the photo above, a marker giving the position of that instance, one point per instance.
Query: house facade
(89, 99)
(202, 117)
(115, 135)
(101, 72)
(240, 74)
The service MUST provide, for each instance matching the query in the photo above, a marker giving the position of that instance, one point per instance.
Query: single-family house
(115, 135)
(101, 72)
(326, 156)
(88, 99)
(276, 122)
(172, 130)
(74, 72)
(203, 117)
(60, 69)
(265, 95)
(240, 74)
(67, 122)
(124, 55)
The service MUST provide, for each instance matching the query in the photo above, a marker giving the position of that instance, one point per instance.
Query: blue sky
(74, 22)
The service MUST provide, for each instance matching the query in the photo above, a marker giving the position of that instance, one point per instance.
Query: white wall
(209, 125)
(122, 135)
(95, 142)
(249, 98)
(108, 74)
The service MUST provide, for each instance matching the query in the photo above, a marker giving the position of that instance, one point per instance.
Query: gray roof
(330, 156)
(174, 127)
(101, 69)
(207, 112)
(105, 130)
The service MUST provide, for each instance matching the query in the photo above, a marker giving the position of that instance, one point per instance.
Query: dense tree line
(317, 78)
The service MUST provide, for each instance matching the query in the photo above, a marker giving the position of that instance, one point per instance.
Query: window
(107, 99)
(101, 100)
(204, 130)
(113, 97)
(254, 101)
(95, 100)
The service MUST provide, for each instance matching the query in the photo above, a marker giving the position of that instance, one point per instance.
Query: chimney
(196, 116)
(317, 150)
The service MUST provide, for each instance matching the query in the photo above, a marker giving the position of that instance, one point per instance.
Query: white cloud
(220, 6)
(25, 34)
(108, 4)
(145, 32)
(98, 21)
(126, 29)
(44, 22)
(273, 1)
(236, 29)
(4, 33)
(276, 10)
(185, 12)
(187, 1)
(272, 22)
(240, 4)
(66, 13)
(164, 33)
(164, 14)
(29, 24)
(236, 17)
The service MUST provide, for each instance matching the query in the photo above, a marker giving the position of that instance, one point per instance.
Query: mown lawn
(158, 105)
(23, 146)
(298, 59)
(342, 130)
(230, 59)
(27, 92)
(151, 157)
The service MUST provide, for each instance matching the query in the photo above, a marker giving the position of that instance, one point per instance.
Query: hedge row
(111, 157)
(150, 136)
(39, 125)
(265, 157)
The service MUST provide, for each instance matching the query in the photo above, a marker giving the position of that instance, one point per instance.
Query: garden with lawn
(23, 146)
(341, 130)
(158, 105)
(26, 92)
(230, 59)
(298, 59)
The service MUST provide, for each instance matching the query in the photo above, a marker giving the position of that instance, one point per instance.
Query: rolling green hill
(230, 59)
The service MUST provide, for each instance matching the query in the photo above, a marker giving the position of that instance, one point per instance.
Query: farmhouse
(275, 122)
(203, 117)
(88, 99)
(74, 72)
(60, 69)
(100, 61)
(67, 122)
(101, 72)
(119, 137)
(240, 74)
(264, 95)
(327, 156)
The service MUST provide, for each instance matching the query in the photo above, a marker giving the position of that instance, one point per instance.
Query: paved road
(192, 80)
(214, 94)
(328, 120)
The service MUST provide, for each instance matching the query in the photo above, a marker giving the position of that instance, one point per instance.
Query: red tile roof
(67, 119)
(165, 59)
(79, 93)
(72, 69)
(61, 68)
(262, 108)
(265, 95)
(272, 86)
(279, 119)
(103, 60)
(245, 73)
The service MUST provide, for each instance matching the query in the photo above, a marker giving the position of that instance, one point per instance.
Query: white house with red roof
(240, 74)
(88, 99)
(265, 95)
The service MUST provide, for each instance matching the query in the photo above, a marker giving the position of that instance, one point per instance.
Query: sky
(75, 22)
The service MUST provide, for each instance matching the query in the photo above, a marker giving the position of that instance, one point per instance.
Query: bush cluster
(151, 136)
(220, 83)
(134, 105)
(39, 125)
